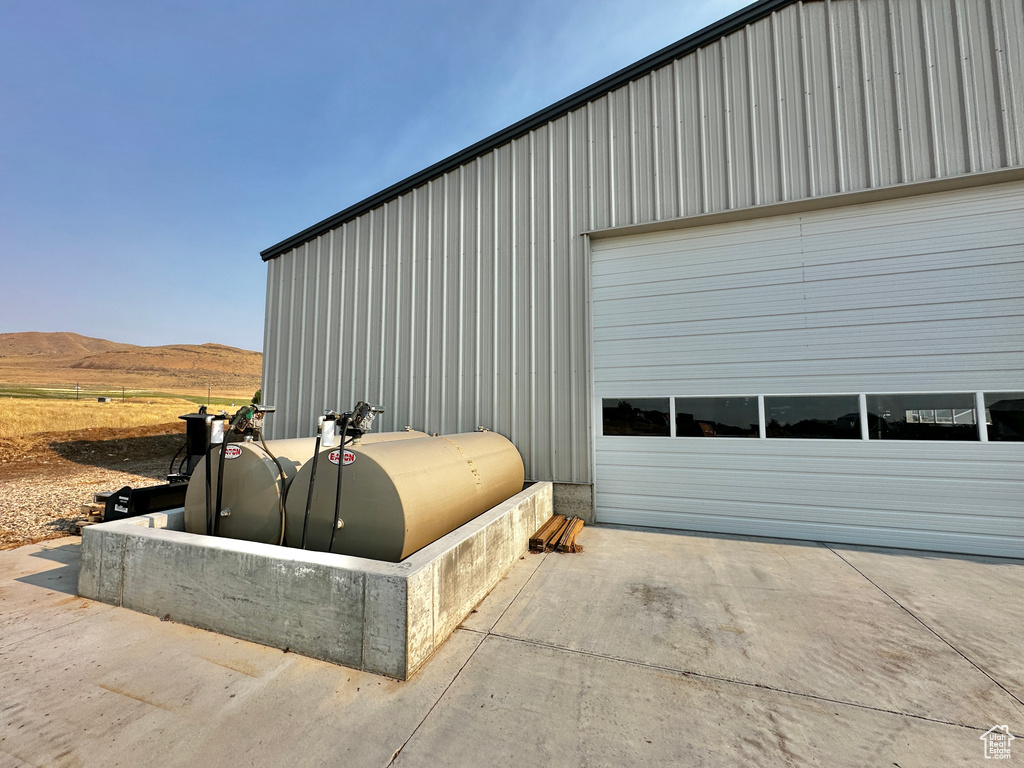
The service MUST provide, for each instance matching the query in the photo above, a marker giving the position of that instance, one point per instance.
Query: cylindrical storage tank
(252, 486)
(397, 498)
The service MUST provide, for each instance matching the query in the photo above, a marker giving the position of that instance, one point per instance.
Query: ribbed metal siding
(464, 302)
(924, 294)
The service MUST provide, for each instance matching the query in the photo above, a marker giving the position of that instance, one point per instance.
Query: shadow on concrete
(839, 547)
(926, 555)
(63, 553)
(63, 579)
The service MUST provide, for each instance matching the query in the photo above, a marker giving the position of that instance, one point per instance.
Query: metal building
(799, 231)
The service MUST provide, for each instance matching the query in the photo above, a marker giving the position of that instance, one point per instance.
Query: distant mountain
(52, 358)
(176, 357)
(61, 344)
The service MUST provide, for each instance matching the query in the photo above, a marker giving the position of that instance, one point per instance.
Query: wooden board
(568, 541)
(540, 539)
(553, 541)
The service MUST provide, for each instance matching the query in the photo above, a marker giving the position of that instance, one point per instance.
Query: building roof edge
(666, 55)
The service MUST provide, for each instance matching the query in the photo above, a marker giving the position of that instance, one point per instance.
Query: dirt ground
(45, 478)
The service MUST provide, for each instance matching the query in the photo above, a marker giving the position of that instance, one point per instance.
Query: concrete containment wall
(386, 618)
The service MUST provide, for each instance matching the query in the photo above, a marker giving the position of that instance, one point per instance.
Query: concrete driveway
(650, 648)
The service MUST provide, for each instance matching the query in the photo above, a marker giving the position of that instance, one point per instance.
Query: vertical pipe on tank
(209, 518)
(337, 490)
(220, 484)
(312, 478)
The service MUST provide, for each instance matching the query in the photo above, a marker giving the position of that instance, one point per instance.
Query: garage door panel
(991, 337)
(825, 231)
(757, 488)
(846, 499)
(918, 295)
(805, 514)
(789, 302)
(808, 295)
(965, 461)
(842, 371)
(978, 205)
(979, 334)
(725, 256)
(746, 384)
(713, 264)
(1005, 313)
(995, 278)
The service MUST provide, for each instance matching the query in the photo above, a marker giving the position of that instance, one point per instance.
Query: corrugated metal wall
(464, 302)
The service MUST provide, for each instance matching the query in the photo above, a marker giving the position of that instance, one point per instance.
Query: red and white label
(232, 451)
(349, 457)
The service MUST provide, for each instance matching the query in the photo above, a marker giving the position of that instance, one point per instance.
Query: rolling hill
(63, 359)
(33, 343)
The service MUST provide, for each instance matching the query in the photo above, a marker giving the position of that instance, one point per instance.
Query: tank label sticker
(349, 457)
(232, 451)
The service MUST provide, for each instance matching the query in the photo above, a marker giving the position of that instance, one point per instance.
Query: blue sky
(149, 152)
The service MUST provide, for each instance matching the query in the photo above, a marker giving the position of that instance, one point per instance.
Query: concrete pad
(486, 614)
(519, 704)
(63, 555)
(123, 688)
(119, 688)
(37, 589)
(793, 617)
(973, 603)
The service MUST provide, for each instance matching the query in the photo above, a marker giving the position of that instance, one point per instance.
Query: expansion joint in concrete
(920, 621)
(733, 681)
(543, 557)
(434, 705)
(483, 635)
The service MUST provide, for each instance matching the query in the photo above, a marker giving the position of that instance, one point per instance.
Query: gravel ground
(45, 481)
(39, 508)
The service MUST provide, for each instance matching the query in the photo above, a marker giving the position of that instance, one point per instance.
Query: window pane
(819, 416)
(963, 416)
(636, 416)
(717, 417)
(1005, 416)
(922, 417)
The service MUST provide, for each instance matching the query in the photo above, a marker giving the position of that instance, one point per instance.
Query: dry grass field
(21, 417)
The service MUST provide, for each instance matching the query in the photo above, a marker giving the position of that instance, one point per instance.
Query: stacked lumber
(90, 514)
(557, 535)
(78, 525)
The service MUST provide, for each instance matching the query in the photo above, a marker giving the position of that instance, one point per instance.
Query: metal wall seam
(331, 350)
(729, 147)
(552, 342)
(460, 313)
(1010, 74)
(299, 328)
(268, 322)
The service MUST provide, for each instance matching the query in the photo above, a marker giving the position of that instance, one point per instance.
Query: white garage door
(850, 375)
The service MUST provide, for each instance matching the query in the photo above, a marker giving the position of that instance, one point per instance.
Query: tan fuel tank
(399, 497)
(252, 488)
